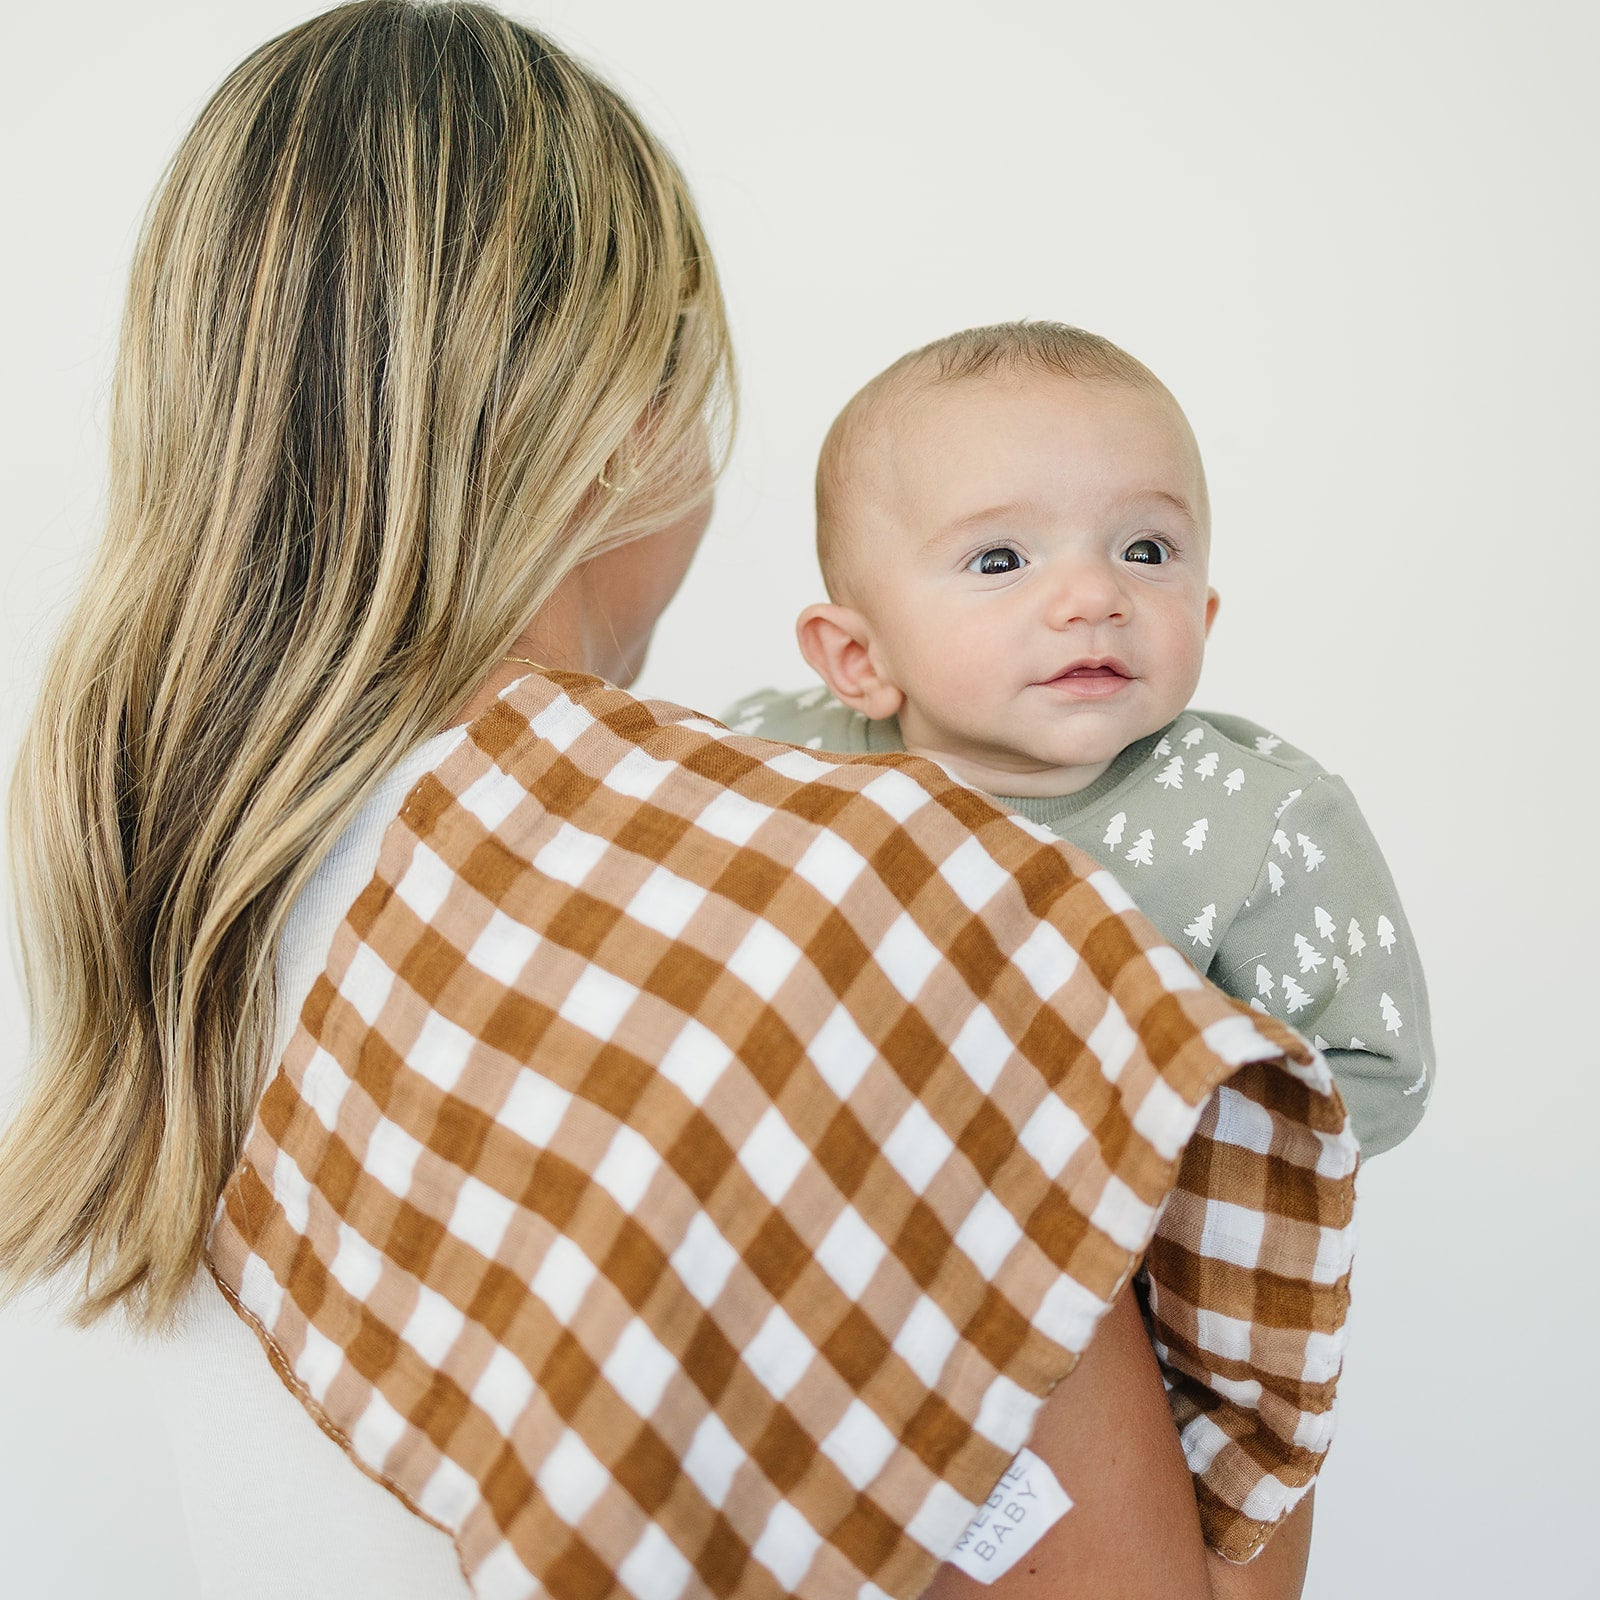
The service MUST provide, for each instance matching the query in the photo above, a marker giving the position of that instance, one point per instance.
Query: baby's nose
(1087, 592)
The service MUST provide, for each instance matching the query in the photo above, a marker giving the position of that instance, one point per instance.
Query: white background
(1359, 243)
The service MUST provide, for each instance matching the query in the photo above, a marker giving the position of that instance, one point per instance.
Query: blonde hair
(412, 283)
(1002, 347)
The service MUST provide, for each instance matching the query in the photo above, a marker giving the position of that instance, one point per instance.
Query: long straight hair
(413, 282)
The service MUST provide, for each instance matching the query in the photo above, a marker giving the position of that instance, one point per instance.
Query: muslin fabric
(701, 1157)
(272, 1505)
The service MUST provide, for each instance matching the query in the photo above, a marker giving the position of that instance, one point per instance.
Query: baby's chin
(1034, 751)
(1022, 774)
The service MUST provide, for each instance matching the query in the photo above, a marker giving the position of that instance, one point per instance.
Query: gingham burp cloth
(701, 1157)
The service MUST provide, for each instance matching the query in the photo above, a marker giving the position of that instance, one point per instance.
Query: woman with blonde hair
(409, 1001)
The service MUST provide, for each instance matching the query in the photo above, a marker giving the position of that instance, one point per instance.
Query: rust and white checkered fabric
(701, 1157)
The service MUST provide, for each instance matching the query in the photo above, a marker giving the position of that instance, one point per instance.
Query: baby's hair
(1037, 346)
(1001, 347)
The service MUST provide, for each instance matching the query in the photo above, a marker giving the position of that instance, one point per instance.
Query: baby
(1013, 529)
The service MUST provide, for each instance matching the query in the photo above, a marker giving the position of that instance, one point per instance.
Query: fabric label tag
(1026, 1503)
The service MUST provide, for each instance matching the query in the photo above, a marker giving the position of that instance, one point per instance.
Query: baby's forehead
(921, 400)
(1026, 416)
(1065, 445)
(916, 435)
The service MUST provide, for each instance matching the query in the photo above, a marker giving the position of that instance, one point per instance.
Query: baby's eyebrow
(1013, 510)
(974, 520)
(1162, 494)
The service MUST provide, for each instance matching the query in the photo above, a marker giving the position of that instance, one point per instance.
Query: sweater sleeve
(1323, 944)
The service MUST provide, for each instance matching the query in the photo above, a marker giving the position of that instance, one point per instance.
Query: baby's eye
(995, 562)
(1147, 552)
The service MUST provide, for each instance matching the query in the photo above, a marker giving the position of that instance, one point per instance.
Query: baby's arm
(1323, 944)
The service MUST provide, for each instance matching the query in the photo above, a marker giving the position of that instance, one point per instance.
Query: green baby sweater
(1249, 858)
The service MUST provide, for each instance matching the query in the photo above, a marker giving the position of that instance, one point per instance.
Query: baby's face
(1033, 569)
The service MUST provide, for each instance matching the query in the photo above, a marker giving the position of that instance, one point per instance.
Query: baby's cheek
(938, 692)
(1188, 656)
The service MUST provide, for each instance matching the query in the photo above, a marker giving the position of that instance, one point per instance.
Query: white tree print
(1256, 1005)
(1163, 748)
(1357, 1044)
(1341, 974)
(1143, 853)
(1206, 766)
(1281, 840)
(810, 697)
(1295, 998)
(1324, 924)
(1386, 934)
(1195, 839)
(1171, 775)
(748, 724)
(1355, 939)
(1391, 1015)
(1313, 856)
(814, 742)
(1200, 929)
(1266, 743)
(1275, 877)
(1114, 827)
(1310, 957)
(1234, 782)
(1287, 801)
(1263, 982)
(1319, 1041)
(1193, 737)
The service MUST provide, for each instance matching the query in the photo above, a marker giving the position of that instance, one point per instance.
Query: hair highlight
(412, 280)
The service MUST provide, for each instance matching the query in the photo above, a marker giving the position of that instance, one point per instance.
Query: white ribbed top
(276, 1510)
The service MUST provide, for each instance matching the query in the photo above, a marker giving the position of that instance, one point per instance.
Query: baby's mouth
(1102, 675)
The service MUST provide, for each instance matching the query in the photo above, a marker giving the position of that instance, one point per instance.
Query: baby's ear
(837, 642)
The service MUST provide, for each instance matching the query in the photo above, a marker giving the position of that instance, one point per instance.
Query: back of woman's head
(413, 282)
